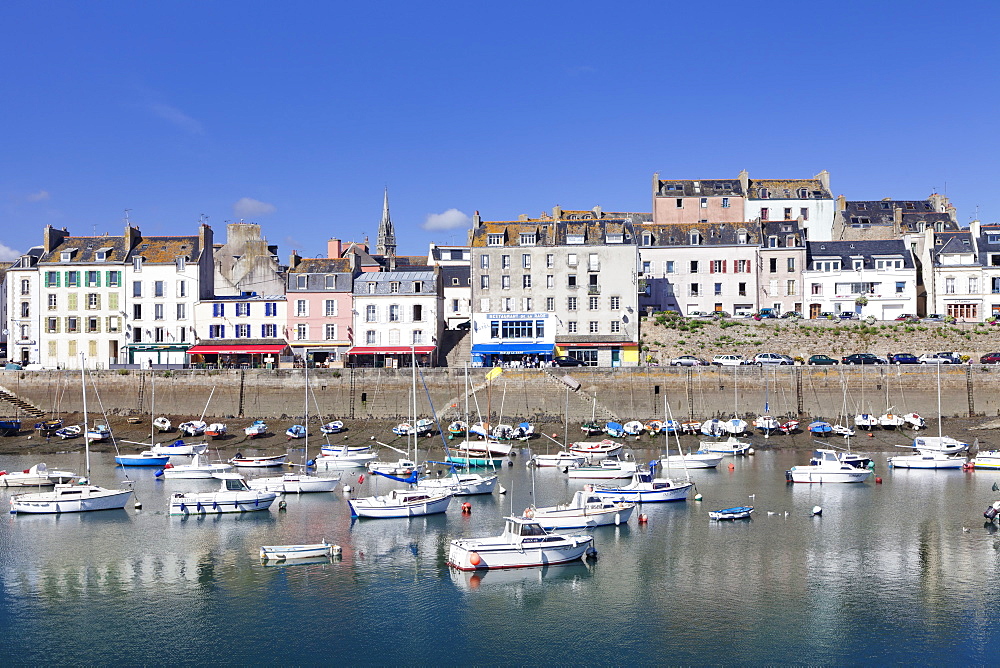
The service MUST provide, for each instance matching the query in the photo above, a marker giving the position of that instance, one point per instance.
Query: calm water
(899, 572)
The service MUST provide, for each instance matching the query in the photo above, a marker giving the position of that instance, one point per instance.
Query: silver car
(772, 358)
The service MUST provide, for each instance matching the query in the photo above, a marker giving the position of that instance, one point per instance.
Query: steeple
(386, 244)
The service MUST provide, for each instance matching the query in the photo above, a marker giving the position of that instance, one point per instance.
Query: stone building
(396, 314)
(320, 305)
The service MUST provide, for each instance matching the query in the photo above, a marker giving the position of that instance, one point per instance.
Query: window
(418, 287)
(718, 288)
(593, 327)
(571, 259)
(694, 238)
(816, 288)
(72, 324)
(788, 213)
(330, 281)
(418, 336)
(93, 301)
(993, 238)
(137, 288)
(370, 337)
(505, 282)
(52, 325)
(616, 303)
(790, 264)
(550, 303)
(901, 286)
(527, 304)
(615, 238)
(505, 261)
(741, 288)
(494, 240)
(394, 313)
(973, 285)
(858, 265)
(394, 287)
(218, 310)
(571, 326)
(773, 265)
(418, 312)
(330, 308)
(550, 260)
(72, 281)
(616, 326)
(717, 267)
(804, 213)
(725, 202)
(114, 325)
(593, 262)
(526, 261)
(668, 266)
(593, 303)
(790, 288)
(647, 239)
(371, 287)
(159, 334)
(575, 239)
(484, 261)
(454, 306)
(888, 264)
(301, 281)
(301, 308)
(330, 332)
(157, 288)
(507, 304)
(693, 290)
(180, 263)
(571, 303)
(704, 202)
(646, 267)
(550, 281)
(301, 332)
(137, 311)
(526, 281)
(764, 213)
(242, 309)
(484, 282)
(963, 311)
(571, 280)
(181, 288)
(370, 313)
(694, 266)
(182, 311)
(528, 238)
(216, 331)
(269, 331)
(158, 312)
(137, 264)
(243, 331)
(679, 203)
(51, 281)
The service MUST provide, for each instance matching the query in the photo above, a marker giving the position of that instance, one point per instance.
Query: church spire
(386, 243)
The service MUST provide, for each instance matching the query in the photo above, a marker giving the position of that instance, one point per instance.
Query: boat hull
(693, 461)
(390, 506)
(738, 513)
(206, 503)
(287, 552)
(480, 462)
(814, 474)
(623, 472)
(656, 492)
(561, 459)
(926, 462)
(490, 555)
(258, 462)
(578, 518)
(295, 484)
(343, 463)
(70, 499)
(460, 484)
(128, 460)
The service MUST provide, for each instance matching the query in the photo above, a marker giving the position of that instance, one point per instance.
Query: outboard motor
(992, 511)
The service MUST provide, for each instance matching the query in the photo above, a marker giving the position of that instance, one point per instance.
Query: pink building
(693, 201)
(320, 302)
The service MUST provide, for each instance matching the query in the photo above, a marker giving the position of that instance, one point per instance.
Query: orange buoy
(878, 480)
(643, 518)
(474, 559)
(871, 435)
(466, 508)
(732, 467)
(361, 478)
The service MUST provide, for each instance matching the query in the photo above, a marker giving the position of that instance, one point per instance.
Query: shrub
(123, 372)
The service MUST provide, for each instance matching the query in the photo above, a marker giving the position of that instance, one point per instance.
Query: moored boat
(216, 430)
(595, 449)
(645, 488)
(633, 428)
(820, 428)
(38, 475)
(606, 469)
(523, 543)
(457, 427)
(70, 431)
(179, 448)
(692, 427)
(694, 460)
(459, 483)
(400, 503)
(10, 426)
(926, 460)
(713, 427)
(827, 467)
(945, 444)
(334, 427)
(98, 433)
(294, 482)
(193, 428)
(47, 428)
(559, 459)
(789, 427)
(735, 513)
(865, 421)
(306, 551)
(145, 458)
(234, 496)
(162, 424)
(585, 509)
(654, 427)
(70, 499)
(730, 446)
(198, 469)
(523, 432)
(258, 428)
(257, 462)
(891, 420)
(735, 426)
(424, 426)
(295, 431)
(614, 429)
(591, 428)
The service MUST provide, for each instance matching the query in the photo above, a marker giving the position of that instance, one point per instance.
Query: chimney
(557, 212)
(477, 220)
(824, 178)
(897, 221)
(334, 247)
(656, 183)
(293, 260)
(598, 213)
(364, 244)
(523, 218)
(206, 238)
(132, 237)
(53, 237)
(353, 258)
(744, 178)
(841, 202)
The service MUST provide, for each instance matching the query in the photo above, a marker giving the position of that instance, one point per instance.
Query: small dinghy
(503, 432)
(480, 429)
(296, 431)
(735, 513)
(559, 459)
(71, 431)
(820, 428)
(789, 427)
(309, 551)
(596, 450)
(915, 421)
(424, 426)
(457, 427)
(654, 427)
(633, 428)
(258, 428)
(591, 428)
(179, 447)
(713, 427)
(48, 428)
(334, 427)
(866, 421)
(193, 428)
(216, 430)
(147, 458)
(98, 433)
(736, 426)
(614, 429)
(257, 462)
(523, 432)
(691, 427)
(403, 429)
(162, 424)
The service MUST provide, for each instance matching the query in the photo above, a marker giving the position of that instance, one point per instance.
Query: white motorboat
(216, 430)
(337, 450)
(98, 433)
(841, 430)
(586, 509)
(866, 421)
(308, 551)
(487, 448)
(343, 460)
(258, 428)
(424, 426)
(192, 428)
(70, 499)
(38, 475)
(926, 460)
(827, 467)
(559, 459)
(654, 427)
(234, 496)
(693, 427)
(457, 427)
(735, 426)
(605, 469)
(294, 483)
(295, 431)
(401, 503)
(399, 467)
(986, 459)
(713, 427)
(257, 462)
(334, 427)
(480, 429)
(596, 449)
(199, 468)
(891, 421)
(644, 488)
(523, 431)
(915, 421)
(730, 446)
(633, 428)
(70, 431)
(459, 483)
(943, 444)
(523, 543)
(735, 513)
(162, 424)
(503, 432)
(767, 424)
(694, 460)
(179, 448)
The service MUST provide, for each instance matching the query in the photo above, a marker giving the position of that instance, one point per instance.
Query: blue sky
(295, 115)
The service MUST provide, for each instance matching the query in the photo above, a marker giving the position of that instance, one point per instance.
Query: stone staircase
(21, 404)
(601, 411)
(455, 348)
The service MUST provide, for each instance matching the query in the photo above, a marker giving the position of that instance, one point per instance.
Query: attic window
(528, 238)
(938, 242)
(494, 240)
(616, 238)
(66, 255)
(993, 238)
(454, 281)
(180, 262)
(144, 247)
(965, 241)
(861, 206)
(694, 238)
(574, 238)
(909, 205)
(884, 205)
(371, 287)
(803, 193)
(763, 193)
(647, 239)
(137, 263)
(742, 237)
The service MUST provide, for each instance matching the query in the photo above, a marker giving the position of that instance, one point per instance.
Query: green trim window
(52, 279)
(93, 279)
(72, 279)
(114, 279)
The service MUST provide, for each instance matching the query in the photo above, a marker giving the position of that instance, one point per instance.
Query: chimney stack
(334, 247)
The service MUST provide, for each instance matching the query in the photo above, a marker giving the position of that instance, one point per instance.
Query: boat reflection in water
(554, 575)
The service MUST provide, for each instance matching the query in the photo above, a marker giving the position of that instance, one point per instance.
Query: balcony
(593, 289)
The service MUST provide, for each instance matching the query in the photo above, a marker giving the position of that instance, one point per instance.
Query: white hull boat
(561, 458)
(586, 509)
(70, 499)
(730, 446)
(216, 430)
(400, 503)
(488, 448)
(198, 469)
(891, 421)
(162, 424)
(460, 484)
(736, 513)
(644, 488)
(294, 483)
(713, 427)
(98, 433)
(945, 444)
(257, 462)
(37, 476)
(179, 448)
(288, 552)
(633, 428)
(694, 460)
(398, 467)
(735, 426)
(986, 459)
(523, 543)
(915, 421)
(337, 450)
(71, 431)
(503, 432)
(193, 428)
(841, 430)
(457, 427)
(766, 424)
(596, 449)
(827, 468)
(606, 469)
(334, 427)
(926, 460)
(258, 428)
(865, 421)
(234, 496)
(295, 431)
(344, 462)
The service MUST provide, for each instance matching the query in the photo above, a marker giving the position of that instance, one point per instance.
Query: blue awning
(512, 349)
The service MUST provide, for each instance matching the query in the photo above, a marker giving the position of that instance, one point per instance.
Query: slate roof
(86, 250)
(461, 272)
(881, 212)
(949, 243)
(382, 279)
(164, 250)
(712, 234)
(699, 188)
(866, 249)
(788, 189)
(322, 266)
(555, 233)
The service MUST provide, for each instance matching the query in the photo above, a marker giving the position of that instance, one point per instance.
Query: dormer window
(694, 238)
(371, 287)
(790, 241)
(772, 242)
(615, 238)
(137, 263)
(528, 238)
(180, 263)
(101, 256)
(301, 282)
(647, 239)
(394, 287)
(884, 205)
(494, 240)
(330, 281)
(857, 265)
(742, 237)
(574, 238)
(993, 238)
(763, 193)
(418, 286)
(861, 206)
(67, 255)
(803, 193)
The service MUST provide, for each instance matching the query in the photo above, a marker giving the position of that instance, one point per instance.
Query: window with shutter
(52, 348)
(92, 348)
(113, 301)
(71, 301)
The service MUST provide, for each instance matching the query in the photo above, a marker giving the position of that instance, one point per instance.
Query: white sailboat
(937, 455)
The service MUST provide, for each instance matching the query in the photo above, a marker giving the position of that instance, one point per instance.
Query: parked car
(827, 315)
(933, 317)
(940, 358)
(772, 358)
(729, 360)
(699, 314)
(862, 358)
(790, 314)
(463, 326)
(688, 360)
(903, 358)
(567, 361)
(990, 358)
(766, 313)
(907, 317)
(821, 360)
(849, 315)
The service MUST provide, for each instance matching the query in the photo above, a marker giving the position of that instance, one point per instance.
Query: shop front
(391, 357)
(232, 355)
(511, 354)
(599, 353)
(150, 355)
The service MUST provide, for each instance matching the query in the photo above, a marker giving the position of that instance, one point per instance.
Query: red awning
(209, 349)
(390, 350)
(598, 344)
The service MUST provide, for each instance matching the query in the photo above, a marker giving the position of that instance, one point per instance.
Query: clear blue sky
(296, 114)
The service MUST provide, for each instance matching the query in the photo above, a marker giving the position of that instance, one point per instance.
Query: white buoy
(817, 510)
(750, 451)
(347, 489)
(502, 489)
(697, 497)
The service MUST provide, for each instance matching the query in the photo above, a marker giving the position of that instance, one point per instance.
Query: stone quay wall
(529, 394)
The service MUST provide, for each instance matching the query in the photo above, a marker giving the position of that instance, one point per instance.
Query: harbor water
(899, 572)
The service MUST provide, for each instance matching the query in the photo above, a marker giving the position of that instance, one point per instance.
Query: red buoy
(732, 467)
(361, 478)
(878, 480)
(466, 508)
(643, 518)
(475, 559)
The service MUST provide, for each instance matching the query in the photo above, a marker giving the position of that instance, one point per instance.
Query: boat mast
(86, 436)
(305, 419)
(413, 374)
(940, 443)
(152, 406)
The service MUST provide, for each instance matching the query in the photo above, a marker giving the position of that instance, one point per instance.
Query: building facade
(867, 278)
(320, 304)
(396, 314)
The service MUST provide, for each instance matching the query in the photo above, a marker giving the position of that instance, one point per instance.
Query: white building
(456, 284)
(21, 298)
(396, 313)
(869, 278)
(806, 200)
(244, 331)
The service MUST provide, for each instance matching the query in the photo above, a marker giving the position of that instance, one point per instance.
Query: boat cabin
(234, 482)
(517, 526)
